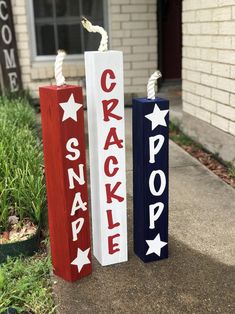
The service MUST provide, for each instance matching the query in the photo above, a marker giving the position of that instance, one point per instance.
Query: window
(57, 25)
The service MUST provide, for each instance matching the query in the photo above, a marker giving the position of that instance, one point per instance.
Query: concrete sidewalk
(198, 276)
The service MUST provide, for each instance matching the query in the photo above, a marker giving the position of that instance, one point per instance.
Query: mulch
(210, 162)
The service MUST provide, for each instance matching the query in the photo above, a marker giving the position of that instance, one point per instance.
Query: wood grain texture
(60, 197)
(105, 106)
(148, 227)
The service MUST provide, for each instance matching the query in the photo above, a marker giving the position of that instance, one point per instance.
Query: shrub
(22, 187)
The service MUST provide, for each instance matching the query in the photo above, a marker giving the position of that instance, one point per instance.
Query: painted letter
(76, 227)
(104, 80)
(78, 203)
(107, 169)
(154, 216)
(9, 58)
(162, 182)
(13, 81)
(111, 193)
(112, 245)
(6, 34)
(116, 141)
(108, 110)
(111, 225)
(153, 150)
(2, 16)
(73, 176)
(72, 141)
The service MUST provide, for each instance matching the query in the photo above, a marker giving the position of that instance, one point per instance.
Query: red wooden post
(66, 180)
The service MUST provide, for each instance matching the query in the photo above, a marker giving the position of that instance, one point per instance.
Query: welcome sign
(10, 68)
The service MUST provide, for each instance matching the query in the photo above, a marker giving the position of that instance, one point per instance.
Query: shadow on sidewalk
(187, 282)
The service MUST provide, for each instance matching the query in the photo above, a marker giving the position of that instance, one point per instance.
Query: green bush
(22, 187)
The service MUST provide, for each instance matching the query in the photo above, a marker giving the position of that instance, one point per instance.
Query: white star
(70, 108)
(81, 259)
(155, 245)
(157, 117)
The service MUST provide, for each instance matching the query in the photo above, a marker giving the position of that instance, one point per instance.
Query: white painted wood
(95, 63)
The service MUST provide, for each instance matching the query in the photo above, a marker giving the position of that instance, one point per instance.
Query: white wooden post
(105, 106)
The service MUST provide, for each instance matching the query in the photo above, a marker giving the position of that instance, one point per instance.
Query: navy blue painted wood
(142, 169)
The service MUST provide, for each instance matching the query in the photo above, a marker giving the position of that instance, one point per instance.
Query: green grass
(231, 170)
(24, 282)
(183, 140)
(22, 187)
(25, 285)
(180, 138)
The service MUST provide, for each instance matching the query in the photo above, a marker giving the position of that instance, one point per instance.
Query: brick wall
(132, 29)
(209, 61)
(21, 29)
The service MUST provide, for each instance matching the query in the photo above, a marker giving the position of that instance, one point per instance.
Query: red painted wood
(60, 198)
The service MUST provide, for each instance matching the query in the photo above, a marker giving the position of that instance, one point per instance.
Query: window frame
(32, 35)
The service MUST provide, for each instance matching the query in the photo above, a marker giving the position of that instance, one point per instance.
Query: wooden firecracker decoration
(66, 179)
(105, 106)
(150, 174)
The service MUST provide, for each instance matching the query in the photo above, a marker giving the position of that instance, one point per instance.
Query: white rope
(60, 80)
(151, 84)
(97, 29)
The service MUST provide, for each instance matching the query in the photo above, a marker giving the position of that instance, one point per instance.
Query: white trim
(32, 37)
(106, 5)
(32, 34)
(71, 57)
(107, 21)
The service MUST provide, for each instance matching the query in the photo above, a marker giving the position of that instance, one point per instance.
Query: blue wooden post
(150, 177)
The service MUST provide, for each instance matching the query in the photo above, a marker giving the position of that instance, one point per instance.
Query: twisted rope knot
(151, 84)
(60, 80)
(97, 29)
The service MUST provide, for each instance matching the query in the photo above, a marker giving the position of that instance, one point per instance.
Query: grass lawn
(24, 282)
(22, 186)
(25, 285)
